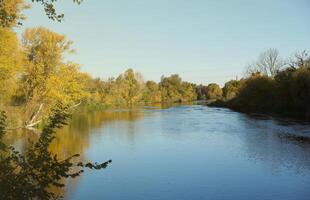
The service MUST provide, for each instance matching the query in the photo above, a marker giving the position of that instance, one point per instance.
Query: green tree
(214, 91)
(170, 88)
(129, 87)
(232, 88)
(188, 92)
(257, 95)
(151, 92)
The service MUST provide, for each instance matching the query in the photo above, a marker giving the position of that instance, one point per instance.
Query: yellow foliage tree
(66, 85)
(47, 78)
(10, 60)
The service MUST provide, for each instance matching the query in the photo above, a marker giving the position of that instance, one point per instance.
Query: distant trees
(170, 88)
(214, 91)
(257, 94)
(268, 63)
(201, 91)
(188, 92)
(151, 93)
(125, 90)
(284, 91)
(300, 60)
(173, 89)
(210, 92)
(231, 88)
(130, 89)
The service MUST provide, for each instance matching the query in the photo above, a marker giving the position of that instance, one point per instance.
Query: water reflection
(203, 147)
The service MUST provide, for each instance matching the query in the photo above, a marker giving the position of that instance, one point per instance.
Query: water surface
(188, 152)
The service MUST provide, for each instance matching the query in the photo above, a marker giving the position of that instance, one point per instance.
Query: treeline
(130, 89)
(35, 78)
(272, 86)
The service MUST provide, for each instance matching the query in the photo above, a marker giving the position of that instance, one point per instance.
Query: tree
(129, 87)
(47, 79)
(300, 60)
(10, 12)
(257, 95)
(10, 64)
(188, 92)
(269, 63)
(44, 52)
(67, 85)
(202, 91)
(232, 88)
(170, 88)
(293, 92)
(151, 92)
(214, 91)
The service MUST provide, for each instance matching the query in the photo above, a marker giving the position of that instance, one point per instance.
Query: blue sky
(202, 40)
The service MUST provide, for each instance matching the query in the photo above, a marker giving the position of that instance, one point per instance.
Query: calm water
(188, 152)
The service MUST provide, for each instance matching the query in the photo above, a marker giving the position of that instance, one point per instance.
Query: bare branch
(269, 63)
(36, 114)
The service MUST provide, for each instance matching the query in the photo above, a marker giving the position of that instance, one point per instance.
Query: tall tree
(151, 92)
(44, 52)
(214, 91)
(268, 63)
(10, 60)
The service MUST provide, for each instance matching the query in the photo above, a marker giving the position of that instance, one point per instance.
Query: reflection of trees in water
(75, 137)
(267, 142)
(37, 172)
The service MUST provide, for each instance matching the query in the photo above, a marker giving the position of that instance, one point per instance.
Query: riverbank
(231, 104)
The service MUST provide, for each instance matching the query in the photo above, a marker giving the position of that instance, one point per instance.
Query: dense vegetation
(32, 74)
(35, 77)
(285, 91)
(130, 89)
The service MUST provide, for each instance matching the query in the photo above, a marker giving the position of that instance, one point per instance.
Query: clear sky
(202, 40)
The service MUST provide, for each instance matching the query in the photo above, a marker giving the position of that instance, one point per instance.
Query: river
(187, 152)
